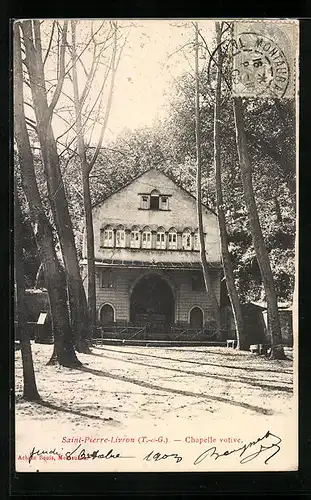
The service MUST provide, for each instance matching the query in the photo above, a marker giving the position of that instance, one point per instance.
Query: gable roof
(140, 175)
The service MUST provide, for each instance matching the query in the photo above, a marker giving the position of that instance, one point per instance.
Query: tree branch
(50, 43)
(179, 49)
(89, 114)
(112, 149)
(95, 63)
(61, 73)
(28, 104)
(31, 124)
(84, 49)
(107, 112)
(66, 147)
(36, 29)
(84, 68)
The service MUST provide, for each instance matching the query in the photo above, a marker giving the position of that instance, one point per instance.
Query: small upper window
(154, 201)
(164, 203)
(144, 202)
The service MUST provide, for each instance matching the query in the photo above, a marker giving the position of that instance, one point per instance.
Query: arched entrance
(107, 314)
(152, 304)
(196, 317)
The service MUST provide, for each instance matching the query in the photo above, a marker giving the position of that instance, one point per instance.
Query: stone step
(160, 343)
(157, 336)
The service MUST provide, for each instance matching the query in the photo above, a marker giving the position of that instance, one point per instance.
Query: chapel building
(148, 271)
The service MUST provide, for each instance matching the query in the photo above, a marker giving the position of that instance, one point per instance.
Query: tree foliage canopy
(170, 146)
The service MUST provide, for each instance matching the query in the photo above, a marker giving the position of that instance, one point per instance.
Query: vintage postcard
(155, 168)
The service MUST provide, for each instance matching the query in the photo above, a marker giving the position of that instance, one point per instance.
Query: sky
(146, 73)
(152, 58)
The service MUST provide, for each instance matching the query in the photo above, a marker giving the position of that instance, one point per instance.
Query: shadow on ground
(147, 385)
(240, 380)
(52, 406)
(247, 368)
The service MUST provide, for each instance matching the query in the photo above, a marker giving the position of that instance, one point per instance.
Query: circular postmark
(252, 65)
(260, 67)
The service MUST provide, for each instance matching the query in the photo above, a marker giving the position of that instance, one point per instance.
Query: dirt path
(153, 399)
(117, 384)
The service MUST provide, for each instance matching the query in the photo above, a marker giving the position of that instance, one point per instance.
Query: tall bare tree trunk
(226, 258)
(86, 166)
(206, 273)
(54, 275)
(30, 392)
(39, 276)
(274, 327)
(91, 284)
(57, 195)
(85, 172)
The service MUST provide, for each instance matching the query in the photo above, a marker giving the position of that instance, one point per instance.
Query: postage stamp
(263, 55)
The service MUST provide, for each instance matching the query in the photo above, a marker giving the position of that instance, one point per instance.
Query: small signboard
(42, 318)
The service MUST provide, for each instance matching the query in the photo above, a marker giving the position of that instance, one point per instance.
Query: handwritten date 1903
(152, 456)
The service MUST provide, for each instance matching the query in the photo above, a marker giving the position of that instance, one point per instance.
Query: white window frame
(108, 238)
(163, 206)
(196, 241)
(160, 240)
(186, 236)
(171, 244)
(146, 239)
(145, 204)
(120, 235)
(135, 239)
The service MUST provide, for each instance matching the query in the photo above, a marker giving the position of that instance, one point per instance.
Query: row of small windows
(143, 239)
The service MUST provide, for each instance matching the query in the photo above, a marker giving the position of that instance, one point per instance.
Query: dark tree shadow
(147, 385)
(52, 406)
(246, 368)
(238, 380)
(93, 353)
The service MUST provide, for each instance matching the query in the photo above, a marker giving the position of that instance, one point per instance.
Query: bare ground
(117, 385)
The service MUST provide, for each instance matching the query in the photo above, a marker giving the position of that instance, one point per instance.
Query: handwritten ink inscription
(152, 456)
(82, 454)
(265, 447)
(267, 442)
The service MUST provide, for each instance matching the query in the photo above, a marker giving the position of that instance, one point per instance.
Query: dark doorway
(152, 304)
(106, 315)
(196, 317)
(154, 203)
